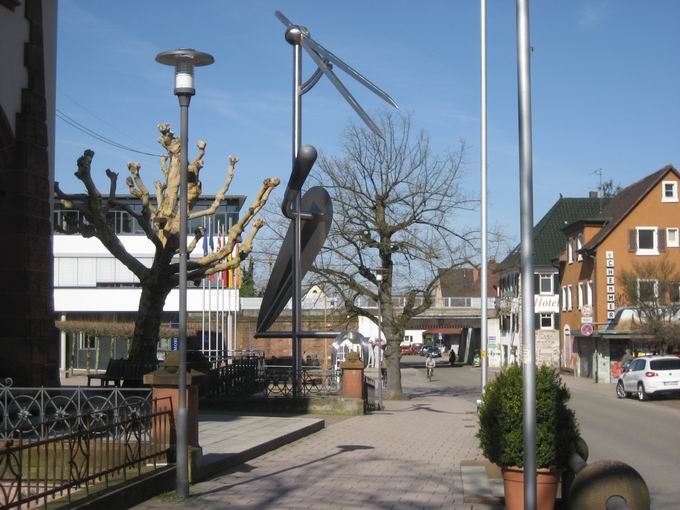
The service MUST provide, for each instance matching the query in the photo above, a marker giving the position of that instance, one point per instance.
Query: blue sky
(605, 80)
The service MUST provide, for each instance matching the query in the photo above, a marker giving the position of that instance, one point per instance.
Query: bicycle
(430, 373)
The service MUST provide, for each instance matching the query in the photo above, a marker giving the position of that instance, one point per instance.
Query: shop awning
(443, 331)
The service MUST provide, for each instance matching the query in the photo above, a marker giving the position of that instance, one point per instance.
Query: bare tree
(608, 189)
(159, 218)
(653, 289)
(394, 208)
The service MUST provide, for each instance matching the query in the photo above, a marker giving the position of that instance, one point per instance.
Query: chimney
(592, 194)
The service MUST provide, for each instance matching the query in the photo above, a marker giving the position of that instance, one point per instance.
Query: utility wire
(103, 121)
(84, 129)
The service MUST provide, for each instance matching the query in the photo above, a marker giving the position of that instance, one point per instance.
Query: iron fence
(234, 376)
(277, 381)
(103, 448)
(42, 412)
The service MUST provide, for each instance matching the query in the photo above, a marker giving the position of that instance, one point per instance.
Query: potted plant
(501, 434)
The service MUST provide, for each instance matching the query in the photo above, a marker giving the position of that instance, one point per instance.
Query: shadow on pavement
(245, 468)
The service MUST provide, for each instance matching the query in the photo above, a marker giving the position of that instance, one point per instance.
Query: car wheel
(620, 391)
(642, 394)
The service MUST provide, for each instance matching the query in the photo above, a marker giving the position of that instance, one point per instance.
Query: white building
(92, 285)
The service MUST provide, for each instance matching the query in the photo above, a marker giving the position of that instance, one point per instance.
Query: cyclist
(429, 365)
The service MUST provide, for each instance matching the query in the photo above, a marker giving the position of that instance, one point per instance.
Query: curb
(226, 461)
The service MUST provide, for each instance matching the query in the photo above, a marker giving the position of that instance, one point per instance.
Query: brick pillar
(353, 377)
(29, 340)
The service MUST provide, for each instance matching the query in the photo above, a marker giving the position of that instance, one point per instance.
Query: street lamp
(183, 60)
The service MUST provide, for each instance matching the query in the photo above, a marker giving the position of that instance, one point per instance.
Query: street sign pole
(526, 257)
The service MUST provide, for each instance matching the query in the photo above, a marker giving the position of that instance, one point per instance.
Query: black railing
(234, 376)
(42, 412)
(103, 449)
(277, 381)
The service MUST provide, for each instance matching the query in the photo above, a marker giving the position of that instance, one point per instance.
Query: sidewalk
(407, 456)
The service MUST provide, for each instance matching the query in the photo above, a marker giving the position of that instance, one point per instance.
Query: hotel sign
(547, 304)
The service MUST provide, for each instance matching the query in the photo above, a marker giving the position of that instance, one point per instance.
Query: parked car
(405, 349)
(650, 376)
(416, 348)
(431, 350)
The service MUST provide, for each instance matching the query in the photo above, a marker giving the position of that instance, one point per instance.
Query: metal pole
(380, 381)
(527, 263)
(484, 286)
(182, 423)
(297, 284)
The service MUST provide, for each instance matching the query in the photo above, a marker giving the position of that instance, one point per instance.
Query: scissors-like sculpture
(325, 59)
(309, 227)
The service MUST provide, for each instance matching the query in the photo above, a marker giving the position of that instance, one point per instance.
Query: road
(645, 435)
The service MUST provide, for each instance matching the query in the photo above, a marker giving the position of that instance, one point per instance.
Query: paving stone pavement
(405, 457)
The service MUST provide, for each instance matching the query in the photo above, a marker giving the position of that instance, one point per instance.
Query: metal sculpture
(303, 244)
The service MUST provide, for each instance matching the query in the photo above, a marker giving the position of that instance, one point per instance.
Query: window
(675, 293)
(564, 298)
(670, 191)
(589, 293)
(87, 342)
(545, 283)
(580, 295)
(672, 240)
(644, 241)
(648, 290)
(569, 297)
(638, 364)
(570, 251)
(664, 364)
(546, 321)
(579, 245)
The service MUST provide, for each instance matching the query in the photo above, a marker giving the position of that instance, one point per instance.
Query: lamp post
(183, 60)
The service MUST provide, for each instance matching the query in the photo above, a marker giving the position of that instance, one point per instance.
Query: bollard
(577, 461)
(617, 503)
(608, 484)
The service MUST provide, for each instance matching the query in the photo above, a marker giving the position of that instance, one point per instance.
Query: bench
(120, 370)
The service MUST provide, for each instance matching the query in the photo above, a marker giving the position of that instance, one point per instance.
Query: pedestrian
(628, 356)
(452, 356)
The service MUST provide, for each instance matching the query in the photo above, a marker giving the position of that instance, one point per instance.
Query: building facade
(549, 241)
(641, 224)
(92, 287)
(28, 46)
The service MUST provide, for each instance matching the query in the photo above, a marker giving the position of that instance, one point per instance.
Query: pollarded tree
(395, 205)
(159, 219)
(653, 288)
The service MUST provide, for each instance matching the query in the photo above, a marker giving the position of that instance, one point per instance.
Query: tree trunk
(148, 321)
(392, 360)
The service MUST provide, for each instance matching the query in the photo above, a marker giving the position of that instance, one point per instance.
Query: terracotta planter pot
(547, 482)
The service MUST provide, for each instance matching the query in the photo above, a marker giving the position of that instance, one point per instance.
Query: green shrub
(500, 419)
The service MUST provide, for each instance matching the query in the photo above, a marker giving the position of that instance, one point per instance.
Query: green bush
(500, 419)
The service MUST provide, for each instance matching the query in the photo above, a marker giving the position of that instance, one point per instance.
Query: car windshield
(665, 364)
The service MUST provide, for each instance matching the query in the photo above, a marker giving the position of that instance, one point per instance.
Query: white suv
(649, 376)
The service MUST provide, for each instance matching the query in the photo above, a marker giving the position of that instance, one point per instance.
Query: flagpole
(526, 253)
(203, 293)
(484, 286)
(209, 297)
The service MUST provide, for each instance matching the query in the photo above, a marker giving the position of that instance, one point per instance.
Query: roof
(465, 281)
(625, 201)
(549, 239)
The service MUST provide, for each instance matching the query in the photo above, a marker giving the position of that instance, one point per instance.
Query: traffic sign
(586, 320)
(587, 329)
(587, 310)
